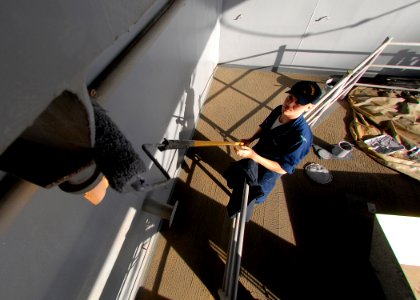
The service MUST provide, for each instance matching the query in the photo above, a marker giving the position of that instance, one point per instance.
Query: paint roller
(118, 161)
(114, 155)
(116, 158)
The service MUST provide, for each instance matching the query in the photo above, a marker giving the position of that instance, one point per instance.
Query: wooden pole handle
(215, 143)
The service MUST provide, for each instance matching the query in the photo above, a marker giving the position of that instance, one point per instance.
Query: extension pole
(185, 144)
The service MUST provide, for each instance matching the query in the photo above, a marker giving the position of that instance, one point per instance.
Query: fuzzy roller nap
(113, 153)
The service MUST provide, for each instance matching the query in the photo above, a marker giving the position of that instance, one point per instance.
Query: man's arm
(246, 152)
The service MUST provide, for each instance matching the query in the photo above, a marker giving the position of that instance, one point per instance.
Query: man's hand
(252, 138)
(245, 152)
(246, 141)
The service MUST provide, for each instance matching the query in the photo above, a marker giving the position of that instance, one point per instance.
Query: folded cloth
(239, 172)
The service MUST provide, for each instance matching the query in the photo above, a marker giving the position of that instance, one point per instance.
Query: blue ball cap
(306, 92)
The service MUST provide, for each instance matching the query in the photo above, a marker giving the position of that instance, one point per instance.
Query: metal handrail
(351, 79)
(344, 85)
(233, 264)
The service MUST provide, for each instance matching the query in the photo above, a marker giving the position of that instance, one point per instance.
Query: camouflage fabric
(376, 113)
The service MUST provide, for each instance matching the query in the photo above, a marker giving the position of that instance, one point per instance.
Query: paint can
(342, 149)
(329, 84)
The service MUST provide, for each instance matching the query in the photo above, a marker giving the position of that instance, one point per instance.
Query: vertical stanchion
(242, 221)
(233, 263)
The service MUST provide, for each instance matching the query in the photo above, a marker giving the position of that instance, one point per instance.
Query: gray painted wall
(48, 48)
(58, 244)
(316, 34)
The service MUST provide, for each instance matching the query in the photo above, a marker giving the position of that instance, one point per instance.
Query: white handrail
(347, 82)
(387, 87)
(405, 44)
(396, 67)
(334, 94)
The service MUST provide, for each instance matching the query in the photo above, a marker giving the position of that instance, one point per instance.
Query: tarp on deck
(383, 122)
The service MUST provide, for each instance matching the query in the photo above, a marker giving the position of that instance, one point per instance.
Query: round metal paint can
(342, 149)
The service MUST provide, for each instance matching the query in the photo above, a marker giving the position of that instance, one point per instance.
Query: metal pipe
(325, 99)
(242, 221)
(395, 67)
(150, 155)
(229, 260)
(15, 193)
(404, 44)
(349, 83)
(344, 86)
(336, 91)
(110, 68)
(387, 87)
(233, 263)
(375, 53)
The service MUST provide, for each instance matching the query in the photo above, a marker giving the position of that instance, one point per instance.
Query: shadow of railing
(331, 225)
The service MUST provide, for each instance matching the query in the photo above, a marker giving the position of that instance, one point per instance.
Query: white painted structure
(317, 35)
(60, 246)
